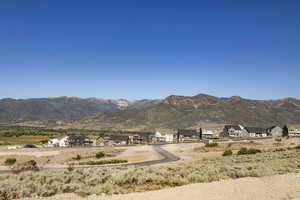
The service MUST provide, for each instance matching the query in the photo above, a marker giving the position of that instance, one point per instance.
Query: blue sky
(149, 49)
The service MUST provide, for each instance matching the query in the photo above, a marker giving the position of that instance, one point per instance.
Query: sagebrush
(119, 180)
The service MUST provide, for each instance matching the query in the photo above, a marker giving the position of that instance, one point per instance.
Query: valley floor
(278, 187)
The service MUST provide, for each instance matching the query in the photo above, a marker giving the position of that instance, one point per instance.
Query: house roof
(235, 127)
(78, 138)
(187, 132)
(118, 137)
(256, 130)
(272, 127)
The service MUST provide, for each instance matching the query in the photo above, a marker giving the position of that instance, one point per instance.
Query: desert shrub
(214, 144)
(4, 195)
(10, 161)
(253, 151)
(26, 166)
(279, 149)
(227, 152)
(103, 162)
(77, 157)
(297, 147)
(119, 180)
(100, 154)
(70, 167)
(245, 151)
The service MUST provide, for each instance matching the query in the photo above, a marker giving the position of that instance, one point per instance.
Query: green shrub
(214, 144)
(227, 152)
(279, 149)
(10, 161)
(119, 180)
(253, 151)
(245, 151)
(100, 154)
(78, 157)
(103, 162)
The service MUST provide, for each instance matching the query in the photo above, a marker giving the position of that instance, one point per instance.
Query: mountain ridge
(62, 108)
(194, 111)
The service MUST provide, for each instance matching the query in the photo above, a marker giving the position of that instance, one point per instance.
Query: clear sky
(149, 49)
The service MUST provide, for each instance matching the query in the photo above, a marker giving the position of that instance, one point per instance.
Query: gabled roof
(235, 127)
(188, 132)
(256, 130)
(78, 138)
(118, 137)
(272, 127)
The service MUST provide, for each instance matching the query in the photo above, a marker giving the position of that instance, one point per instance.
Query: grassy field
(22, 140)
(119, 180)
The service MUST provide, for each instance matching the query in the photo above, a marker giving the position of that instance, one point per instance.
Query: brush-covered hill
(62, 108)
(200, 110)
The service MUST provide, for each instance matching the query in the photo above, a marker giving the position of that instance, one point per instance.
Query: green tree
(285, 131)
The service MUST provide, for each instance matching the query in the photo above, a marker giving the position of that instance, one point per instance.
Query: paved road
(167, 157)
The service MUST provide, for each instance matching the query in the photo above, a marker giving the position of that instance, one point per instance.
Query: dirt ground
(54, 157)
(198, 151)
(278, 187)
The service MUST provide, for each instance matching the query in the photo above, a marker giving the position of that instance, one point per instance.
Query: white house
(207, 134)
(54, 141)
(158, 137)
(64, 142)
(169, 137)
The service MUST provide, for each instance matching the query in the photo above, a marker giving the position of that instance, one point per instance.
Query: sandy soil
(58, 157)
(279, 187)
(139, 153)
(53, 156)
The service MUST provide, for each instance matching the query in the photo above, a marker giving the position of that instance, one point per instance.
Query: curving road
(167, 157)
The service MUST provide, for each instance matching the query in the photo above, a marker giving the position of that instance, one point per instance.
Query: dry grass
(23, 140)
(120, 180)
(56, 156)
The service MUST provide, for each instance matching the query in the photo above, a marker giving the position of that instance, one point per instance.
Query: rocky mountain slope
(62, 108)
(184, 112)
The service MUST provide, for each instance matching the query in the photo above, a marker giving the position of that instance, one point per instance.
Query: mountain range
(170, 113)
(62, 108)
(198, 111)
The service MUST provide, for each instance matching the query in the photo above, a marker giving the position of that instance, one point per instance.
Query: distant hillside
(184, 112)
(62, 108)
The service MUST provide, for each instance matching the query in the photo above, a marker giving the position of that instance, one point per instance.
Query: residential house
(275, 131)
(141, 138)
(98, 141)
(79, 141)
(54, 141)
(294, 130)
(187, 134)
(158, 137)
(234, 131)
(63, 142)
(257, 132)
(118, 140)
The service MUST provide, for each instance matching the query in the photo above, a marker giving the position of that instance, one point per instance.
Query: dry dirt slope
(279, 187)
